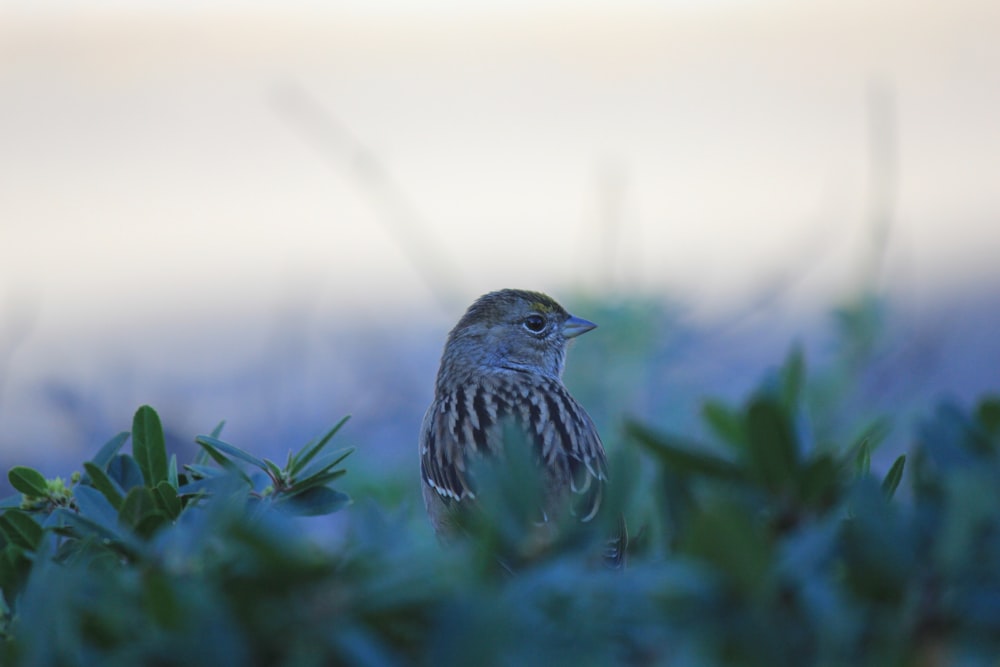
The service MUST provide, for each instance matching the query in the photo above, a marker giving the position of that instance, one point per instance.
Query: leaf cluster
(123, 518)
(761, 546)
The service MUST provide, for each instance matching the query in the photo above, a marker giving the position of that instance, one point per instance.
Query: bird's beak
(575, 326)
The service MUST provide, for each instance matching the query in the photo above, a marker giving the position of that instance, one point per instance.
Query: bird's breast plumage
(469, 420)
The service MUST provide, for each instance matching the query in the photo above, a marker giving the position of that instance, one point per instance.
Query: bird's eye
(534, 323)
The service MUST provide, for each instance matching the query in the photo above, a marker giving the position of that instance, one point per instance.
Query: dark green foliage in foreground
(762, 548)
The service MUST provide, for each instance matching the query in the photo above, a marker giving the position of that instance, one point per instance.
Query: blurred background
(272, 213)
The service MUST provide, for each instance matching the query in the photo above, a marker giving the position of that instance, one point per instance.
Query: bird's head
(514, 330)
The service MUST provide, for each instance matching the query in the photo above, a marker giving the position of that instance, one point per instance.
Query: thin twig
(302, 111)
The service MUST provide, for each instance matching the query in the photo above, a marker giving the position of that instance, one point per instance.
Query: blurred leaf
(204, 471)
(223, 461)
(148, 446)
(221, 482)
(273, 470)
(166, 499)
(139, 511)
(877, 546)
(226, 448)
(793, 374)
(15, 566)
(988, 414)
(819, 482)
(319, 479)
(772, 447)
(172, 472)
(893, 477)
(732, 541)
(160, 600)
(98, 507)
(100, 480)
(28, 481)
(20, 529)
(307, 453)
(109, 449)
(682, 455)
(971, 509)
(860, 325)
(324, 464)
(82, 526)
(125, 472)
(726, 423)
(870, 437)
(217, 431)
(314, 501)
(863, 460)
(942, 445)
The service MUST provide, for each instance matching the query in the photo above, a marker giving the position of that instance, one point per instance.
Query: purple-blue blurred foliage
(647, 360)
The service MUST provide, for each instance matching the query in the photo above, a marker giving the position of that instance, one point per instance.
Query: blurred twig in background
(810, 252)
(883, 160)
(612, 195)
(338, 145)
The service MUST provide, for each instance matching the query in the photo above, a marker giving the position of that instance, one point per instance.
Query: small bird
(502, 366)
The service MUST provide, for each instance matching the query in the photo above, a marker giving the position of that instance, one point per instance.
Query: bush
(761, 548)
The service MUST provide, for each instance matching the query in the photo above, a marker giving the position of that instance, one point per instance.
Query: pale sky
(219, 155)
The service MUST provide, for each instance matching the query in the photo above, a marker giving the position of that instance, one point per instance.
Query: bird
(502, 366)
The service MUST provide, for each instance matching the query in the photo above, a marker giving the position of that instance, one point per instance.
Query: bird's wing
(442, 462)
(588, 465)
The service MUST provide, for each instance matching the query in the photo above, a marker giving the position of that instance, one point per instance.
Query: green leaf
(202, 471)
(793, 374)
(226, 448)
(819, 481)
(988, 414)
(109, 449)
(125, 472)
(28, 481)
(307, 453)
(221, 459)
(166, 499)
(139, 511)
(682, 455)
(98, 507)
(100, 480)
(20, 529)
(217, 431)
(160, 600)
(273, 468)
(732, 541)
(319, 479)
(325, 463)
(871, 436)
(15, 566)
(863, 460)
(724, 422)
(148, 446)
(771, 443)
(172, 472)
(314, 501)
(893, 477)
(78, 525)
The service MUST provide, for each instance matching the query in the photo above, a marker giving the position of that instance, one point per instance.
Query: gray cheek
(497, 357)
